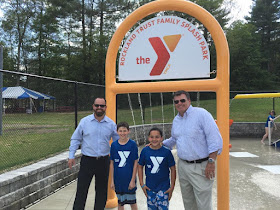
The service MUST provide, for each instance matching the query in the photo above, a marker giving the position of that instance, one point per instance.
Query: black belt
(97, 158)
(197, 161)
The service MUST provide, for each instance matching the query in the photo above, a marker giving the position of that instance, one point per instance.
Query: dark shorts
(126, 199)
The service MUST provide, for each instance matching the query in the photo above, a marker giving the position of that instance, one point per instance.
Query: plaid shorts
(157, 201)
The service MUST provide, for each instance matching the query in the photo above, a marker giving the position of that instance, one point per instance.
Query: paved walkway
(254, 182)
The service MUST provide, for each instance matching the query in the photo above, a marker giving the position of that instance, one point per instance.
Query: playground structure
(220, 84)
(259, 95)
(271, 124)
(276, 142)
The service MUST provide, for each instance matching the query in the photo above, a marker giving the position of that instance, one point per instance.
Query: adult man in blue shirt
(198, 142)
(93, 134)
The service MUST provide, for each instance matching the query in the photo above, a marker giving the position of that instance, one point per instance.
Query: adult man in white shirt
(198, 141)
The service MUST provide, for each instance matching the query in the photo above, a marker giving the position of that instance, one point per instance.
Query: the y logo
(161, 51)
(156, 162)
(124, 155)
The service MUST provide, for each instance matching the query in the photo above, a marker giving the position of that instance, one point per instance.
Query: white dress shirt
(195, 135)
(93, 136)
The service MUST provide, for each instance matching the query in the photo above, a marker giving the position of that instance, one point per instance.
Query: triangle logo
(172, 41)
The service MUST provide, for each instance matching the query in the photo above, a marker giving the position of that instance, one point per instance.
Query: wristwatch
(211, 160)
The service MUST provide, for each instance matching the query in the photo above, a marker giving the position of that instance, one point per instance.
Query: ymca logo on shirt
(156, 162)
(124, 155)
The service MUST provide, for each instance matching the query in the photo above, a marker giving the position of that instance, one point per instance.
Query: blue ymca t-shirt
(157, 164)
(124, 157)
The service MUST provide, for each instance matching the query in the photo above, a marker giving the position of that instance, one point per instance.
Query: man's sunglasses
(181, 100)
(99, 105)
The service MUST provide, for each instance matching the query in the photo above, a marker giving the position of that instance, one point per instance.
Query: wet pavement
(254, 182)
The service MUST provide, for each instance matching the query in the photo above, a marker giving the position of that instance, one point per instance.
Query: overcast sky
(240, 9)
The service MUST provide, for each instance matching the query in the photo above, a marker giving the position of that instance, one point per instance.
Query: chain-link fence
(39, 115)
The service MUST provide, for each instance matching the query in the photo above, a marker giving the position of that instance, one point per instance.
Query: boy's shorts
(126, 199)
(157, 200)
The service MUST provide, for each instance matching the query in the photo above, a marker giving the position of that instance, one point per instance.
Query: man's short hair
(180, 92)
(97, 98)
(156, 129)
(122, 124)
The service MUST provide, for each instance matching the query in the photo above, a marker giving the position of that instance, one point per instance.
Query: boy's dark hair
(180, 92)
(123, 124)
(156, 129)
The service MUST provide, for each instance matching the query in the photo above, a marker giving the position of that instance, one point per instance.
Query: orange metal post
(220, 84)
(112, 200)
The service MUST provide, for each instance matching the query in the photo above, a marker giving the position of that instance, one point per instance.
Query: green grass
(241, 110)
(30, 137)
(253, 110)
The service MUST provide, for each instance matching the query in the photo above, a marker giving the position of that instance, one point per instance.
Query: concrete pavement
(254, 182)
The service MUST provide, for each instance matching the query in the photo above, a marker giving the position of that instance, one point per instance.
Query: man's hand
(210, 170)
(71, 162)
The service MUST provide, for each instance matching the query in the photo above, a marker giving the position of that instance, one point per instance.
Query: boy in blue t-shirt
(157, 161)
(123, 165)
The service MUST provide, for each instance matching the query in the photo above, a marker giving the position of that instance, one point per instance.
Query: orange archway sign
(220, 84)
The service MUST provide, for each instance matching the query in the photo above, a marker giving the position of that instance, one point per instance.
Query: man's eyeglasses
(181, 100)
(99, 105)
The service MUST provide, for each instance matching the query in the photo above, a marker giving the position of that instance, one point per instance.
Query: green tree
(265, 17)
(245, 56)
(67, 13)
(46, 42)
(110, 13)
(16, 23)
(8, 61)
(97, 22)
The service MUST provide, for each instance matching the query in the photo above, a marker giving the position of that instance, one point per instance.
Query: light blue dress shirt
(195, 135)
(93, 136)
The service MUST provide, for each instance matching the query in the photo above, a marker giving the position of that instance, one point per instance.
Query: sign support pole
(220, 84)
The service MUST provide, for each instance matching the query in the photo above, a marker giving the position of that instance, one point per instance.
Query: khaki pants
(195, 187)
